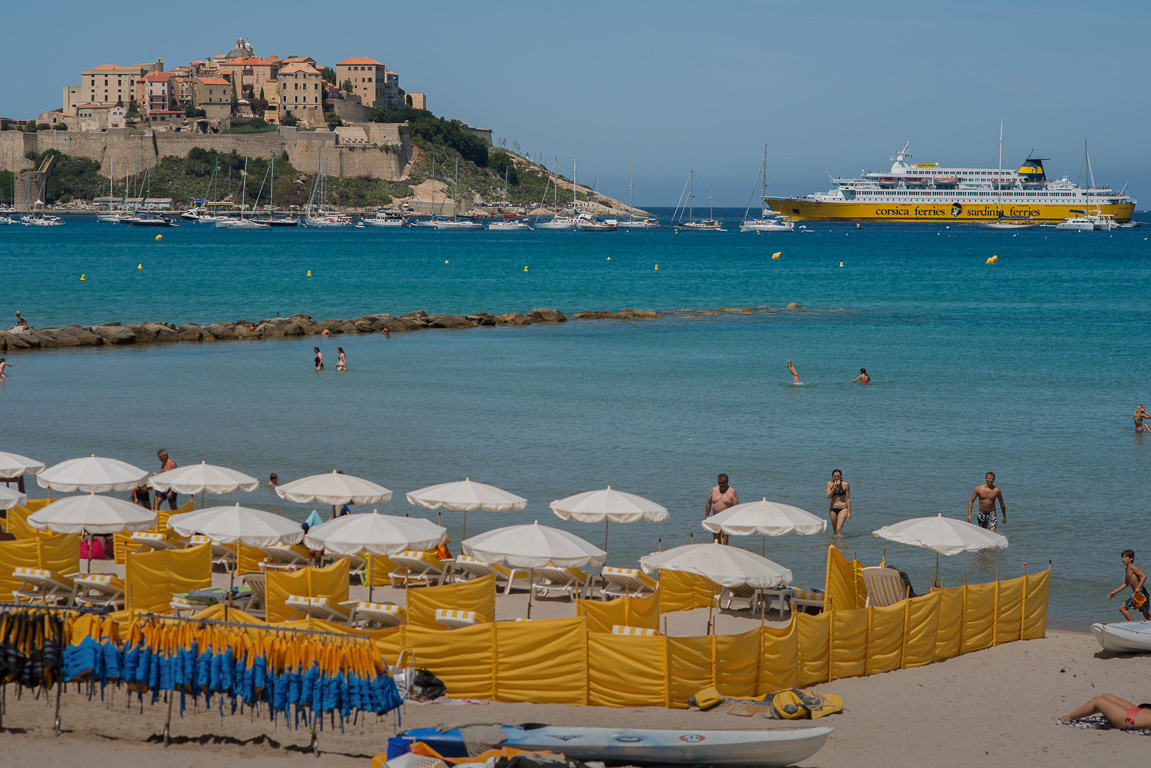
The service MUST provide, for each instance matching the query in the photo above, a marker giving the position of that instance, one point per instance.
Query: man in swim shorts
(987, 494)
(721, 497)
(166, 464)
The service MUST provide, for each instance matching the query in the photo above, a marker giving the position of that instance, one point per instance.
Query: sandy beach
(992, 707)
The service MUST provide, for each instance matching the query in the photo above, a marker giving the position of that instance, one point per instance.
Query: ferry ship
(930, 192)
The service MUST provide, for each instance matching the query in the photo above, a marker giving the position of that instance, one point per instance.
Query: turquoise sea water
(1030, 367)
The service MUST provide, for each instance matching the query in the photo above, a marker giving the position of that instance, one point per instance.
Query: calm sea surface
(1030, 367)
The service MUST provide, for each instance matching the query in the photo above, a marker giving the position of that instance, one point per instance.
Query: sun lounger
(99, 590)
(884, 586)
(318, 608)
(620, 629)
(569, 581)
(801, 599)
(257, 605)
(625, 582)
(779, 599)
(284, 558)
(421, 568)
(469, 568)
(182, 606)
(42, 587)
(221, 555)
(745, 592)
(365, 615)
(455, 619)
(147, 541)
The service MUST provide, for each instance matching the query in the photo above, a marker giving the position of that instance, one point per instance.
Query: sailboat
(146, 219)
(1089, 222)
(631, 222)
(557, 221)
(710, 224)
(241, 222)
(455, 223)
(585, 222)
(272, 220)
(511, 222)
(318, 216)
(1000, 222)
(769, 220)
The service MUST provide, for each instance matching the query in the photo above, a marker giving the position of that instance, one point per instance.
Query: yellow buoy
(139, 266)
(777, 254)
(657, 267)
(992, 260)
(525, 269)
(159, 238)
(82, 278)
(446, 261)
(609, 257)
(841, 263)
(309, 273)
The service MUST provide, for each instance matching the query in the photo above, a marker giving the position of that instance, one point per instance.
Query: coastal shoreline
(117, 334)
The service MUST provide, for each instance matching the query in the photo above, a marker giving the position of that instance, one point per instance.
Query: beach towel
(1101, 723)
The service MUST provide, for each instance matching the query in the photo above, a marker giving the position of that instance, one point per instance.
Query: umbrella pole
(936, 580)
(464, 535)
(371, 575)
(89, 551)
(232, 580)
(710, 606)
(531, 588)
(763, 545)
(606, 523)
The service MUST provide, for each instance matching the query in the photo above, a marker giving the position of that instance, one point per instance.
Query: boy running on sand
(1134, 578)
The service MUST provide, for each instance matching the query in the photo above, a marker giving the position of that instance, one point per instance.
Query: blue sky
(674, 86)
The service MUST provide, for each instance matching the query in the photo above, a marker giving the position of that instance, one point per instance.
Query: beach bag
(425, 686)
(801, 704)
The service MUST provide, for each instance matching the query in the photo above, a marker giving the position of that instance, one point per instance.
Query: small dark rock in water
(190, 332)
(220, 330)
(483, 319)
(794, 305)
(418, 314)
(513, 318)
(449, 321)
(598, 314)
(114, 333)
(547, 316)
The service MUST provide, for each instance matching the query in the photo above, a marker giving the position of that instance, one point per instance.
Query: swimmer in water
(1140, 414)
(341, 363)
(794, 373)
(862, 378)
(319, 358)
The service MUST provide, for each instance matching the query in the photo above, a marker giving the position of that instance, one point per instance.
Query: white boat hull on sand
(635, 746)
(1124, 636)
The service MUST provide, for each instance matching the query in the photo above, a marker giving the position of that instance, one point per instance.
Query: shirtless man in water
(794, 373)
(721, 497)
(987, 494)
(1141, 414)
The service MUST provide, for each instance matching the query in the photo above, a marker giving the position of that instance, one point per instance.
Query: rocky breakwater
(110, 334)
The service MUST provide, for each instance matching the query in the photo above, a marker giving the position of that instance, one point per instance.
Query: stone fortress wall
(378, 150)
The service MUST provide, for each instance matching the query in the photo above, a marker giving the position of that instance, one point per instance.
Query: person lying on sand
(1119, 712)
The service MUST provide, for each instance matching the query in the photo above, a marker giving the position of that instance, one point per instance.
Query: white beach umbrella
(608, 506)
(533, 546)
(767, 518)
(92, 474)
(334, 488)
(10, 498)
(203, 478)
(237, 525)
(942, 535)
(91, 514)
(14, 465)
(376, 534)
(725, 565)
(466, 496)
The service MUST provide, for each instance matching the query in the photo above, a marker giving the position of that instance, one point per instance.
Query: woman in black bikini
(840, 494)
(319, 358)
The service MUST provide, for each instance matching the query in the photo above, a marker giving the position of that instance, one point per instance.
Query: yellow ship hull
(801, 209)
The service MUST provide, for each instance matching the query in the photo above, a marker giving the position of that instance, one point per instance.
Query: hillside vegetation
(210, 175)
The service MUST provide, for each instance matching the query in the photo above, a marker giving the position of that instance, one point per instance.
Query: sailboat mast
(690, 195)
(710, 209)
(999, 174)
(272, 189)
